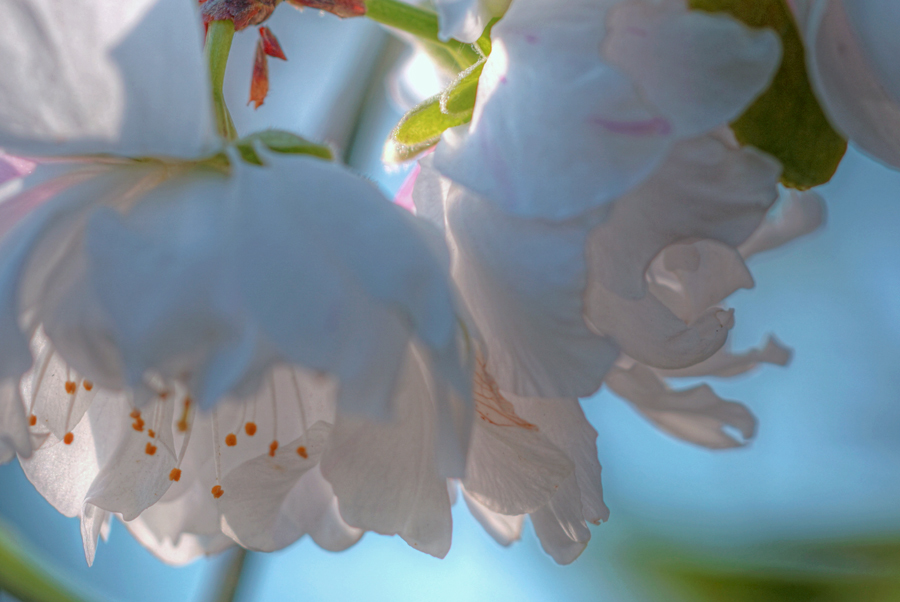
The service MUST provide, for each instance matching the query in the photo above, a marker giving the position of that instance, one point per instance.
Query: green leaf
(26, 578)
(786, 120)
(421, 128)
(279, 141)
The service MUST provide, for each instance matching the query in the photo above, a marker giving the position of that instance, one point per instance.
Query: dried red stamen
(244, 13)
(270, 43)
(259, 82)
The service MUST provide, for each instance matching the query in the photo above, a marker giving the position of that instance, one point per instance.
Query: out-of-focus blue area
(826, 461)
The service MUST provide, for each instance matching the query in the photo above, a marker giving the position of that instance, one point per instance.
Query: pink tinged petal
(12, 167)
(513, 468)
(137, 475)
(92, 77)
(705, 189)
(696, 415)
(252, 506)
(583, 134)
(858, 93)
(700, 70)
(690, 277)
(504, 529)
(563, 422)
(404, 196)
(725, 363)
(801, 213)
(523, 282)
(650, 333)
(385, 475)
(559, 525)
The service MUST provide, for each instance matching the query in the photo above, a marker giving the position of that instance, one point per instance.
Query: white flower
(136, 292)
(581, 100)
(465, 20)
(851, 50)
(630, 296)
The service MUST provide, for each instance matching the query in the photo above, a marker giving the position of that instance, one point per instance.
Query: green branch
(421, 23)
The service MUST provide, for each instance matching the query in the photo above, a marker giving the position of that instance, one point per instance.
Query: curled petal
(696, 415)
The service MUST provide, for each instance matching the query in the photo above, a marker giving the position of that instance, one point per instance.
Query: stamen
(230, 439)
(303, 424)
(183, 421)
(32, 420)
(301, 451)
(88, 385)
(250, 429)
(71, 390)
(217, 490)
(175, 474)
(273, 447)
(138, 423)
(71, 387)
(150, 449)
(151, 433)
(68, 438)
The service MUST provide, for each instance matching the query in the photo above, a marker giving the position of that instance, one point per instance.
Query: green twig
(218, 45)
(231, 576)
(420, 23)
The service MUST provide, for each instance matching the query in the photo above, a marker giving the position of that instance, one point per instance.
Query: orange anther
(301, 451)
(138, 424)
(68, 438)
(182, 426)
(88, 385)
(164, 395)
(230, 439)
(217, 491)
(150, 449)
(175, 475)
(32, 420)
(151, 433)
(71, 387)
(250, 429)
(272, 447)
(135, 414)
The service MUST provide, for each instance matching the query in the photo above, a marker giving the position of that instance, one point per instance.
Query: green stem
(231, 576)
(218, 45)
(420, 23)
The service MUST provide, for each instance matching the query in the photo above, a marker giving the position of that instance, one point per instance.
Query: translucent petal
(91, 77)
(504, 529)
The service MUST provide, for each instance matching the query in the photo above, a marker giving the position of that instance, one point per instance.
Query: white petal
(563, 533)
(504, 529)
(725, 363)
(92, 523)
(559, 129)
(464, 20)
(313, 508)
(650, 333)
(187, 549)
(385, 475)
(698, 69)
(137, 475)
(696, 415)
(513, 467)
(91, 76)
(856, 96)
(523, 282)
(705, 189)
(800, 214)
(14, 438)
(562, 421)
(690, 277)
(255, 493)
